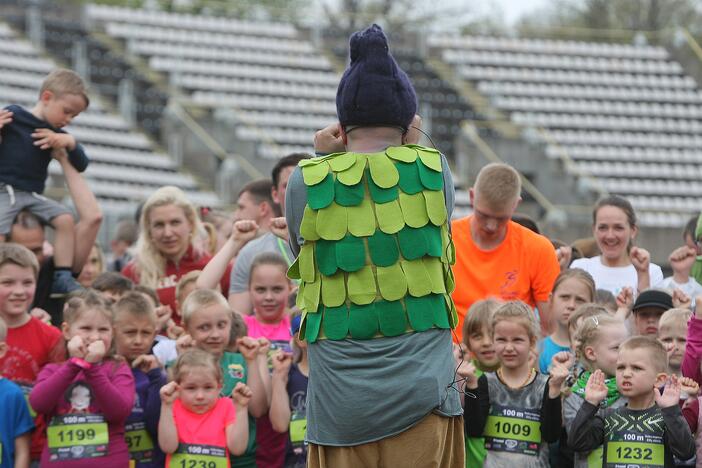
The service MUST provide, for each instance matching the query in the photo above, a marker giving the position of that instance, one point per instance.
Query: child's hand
(459, 352)
(241, 394)
(5, 117)
(146, 363)
(564, 255)
(264, 346)
(682, 259)
(169, 393)
(243, 231)
(689, 386)
(625, 301)
(45, 139)
(596, 390)
(76, 347)
(174, 331)
(328, 140)
(698, 306)
(95, 352)
(184, 343)
(670, 396)
(681, 300)
(640, 258)
(60, 154)
(560, 368)
(279, 227)
(467, 371)
(248, 347)
(163, 315)
(281, 363)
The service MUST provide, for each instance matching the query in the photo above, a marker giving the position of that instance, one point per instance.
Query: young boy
(648, 308)
(650, 430)
(29, 139)
(672, 331)
(112, 285)
(135, 331)
(15, 422)
(30, 342)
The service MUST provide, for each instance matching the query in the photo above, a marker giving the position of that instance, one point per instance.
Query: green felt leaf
(361, 219)
(348, 195)
(430, 159)
(315, 173)
(418, 280)
(363, 321)
(311, 295)
(409, 177)
(402, 153)
(391, 317)
(315, 161)
(325, 253)
(449, 281)
(341, 161)
(413, 243)
(420, 312)
(430, 179)
(383, 249)
(389, 217)
(382, 170)
(436, 206)
(353, 174)
(306, 261)
(448, 251)
(361, 286)
(391, 282)
(294, 270)
(350, 253)
(435, 269)
(432, 234)
(309, 328)
(335, 322)
(333, 290)
(414, 209)
(308, 225)
(332, 222)
(379, 194)
(322, 194)
(453, 314)
(441, 313)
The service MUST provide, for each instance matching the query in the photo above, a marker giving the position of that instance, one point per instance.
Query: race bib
(298, 429)
(514, 430)
(139, 442)
(594, 460)
(77, 436)
(632, 451)
(199, 456)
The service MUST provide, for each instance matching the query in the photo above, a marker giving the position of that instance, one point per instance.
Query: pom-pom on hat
(374, 91)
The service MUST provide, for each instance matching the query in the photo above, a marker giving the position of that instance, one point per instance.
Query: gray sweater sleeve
(678, 437)
(587, 429)
(571, 406)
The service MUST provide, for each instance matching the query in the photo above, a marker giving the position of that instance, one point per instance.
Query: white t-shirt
(692, 288)
(613, 279)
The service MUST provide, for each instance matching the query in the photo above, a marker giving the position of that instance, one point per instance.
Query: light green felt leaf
(341, 161)
(332, 222)
(361, 219)
(316, 160)
(409, 177)
(418, 280)
(348, 195)
(392, 318)
(315, 173)
(441, 313)
(363, 321)
(430, 159)
(382, 170)
(381, 195)
(350, 253)
(300, 298)
(325, 253)
(402, 153)
(308, 226)
(389, 217)
(353, 174)
(391, 282)
(453, 314)
(311, 324)
(335, 322)
(436, 206)
(432, 234)
(435, 269)
(306, 260)
(432, 180)
(414, 209)
(413, 243)
(333, 290)
(311, 295)
(361, 286)
(448, 279)
(383, 249)
(322, 194)
(294, 270)
(420, 313)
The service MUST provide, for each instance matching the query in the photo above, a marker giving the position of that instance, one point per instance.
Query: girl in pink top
(87, 398)
(198, 427)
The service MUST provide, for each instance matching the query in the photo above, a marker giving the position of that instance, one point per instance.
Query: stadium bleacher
(627, 115)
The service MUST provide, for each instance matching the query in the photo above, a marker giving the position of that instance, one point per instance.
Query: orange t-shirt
(523, 267)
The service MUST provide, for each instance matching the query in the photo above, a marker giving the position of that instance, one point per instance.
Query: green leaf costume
(377, 252)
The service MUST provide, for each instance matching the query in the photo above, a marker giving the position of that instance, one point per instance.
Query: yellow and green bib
(377, 252)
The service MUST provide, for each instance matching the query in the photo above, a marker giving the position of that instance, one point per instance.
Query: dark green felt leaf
(413, 243)
(409, 177)
(335, 322)
(430, 179)
(325, 253)
(420, 313)
(363, 321)
(432, 235)
(322, 194)
(381, 195)
(383, 249)
(350, 253)
(392, 318)
(311, 324)
(348, 195)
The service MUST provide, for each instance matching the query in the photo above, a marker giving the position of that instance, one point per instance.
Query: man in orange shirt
(496, 257)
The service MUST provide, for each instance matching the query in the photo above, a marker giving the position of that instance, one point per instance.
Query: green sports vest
(377, 252)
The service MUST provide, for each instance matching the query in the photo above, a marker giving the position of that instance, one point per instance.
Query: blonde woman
(170, 245)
